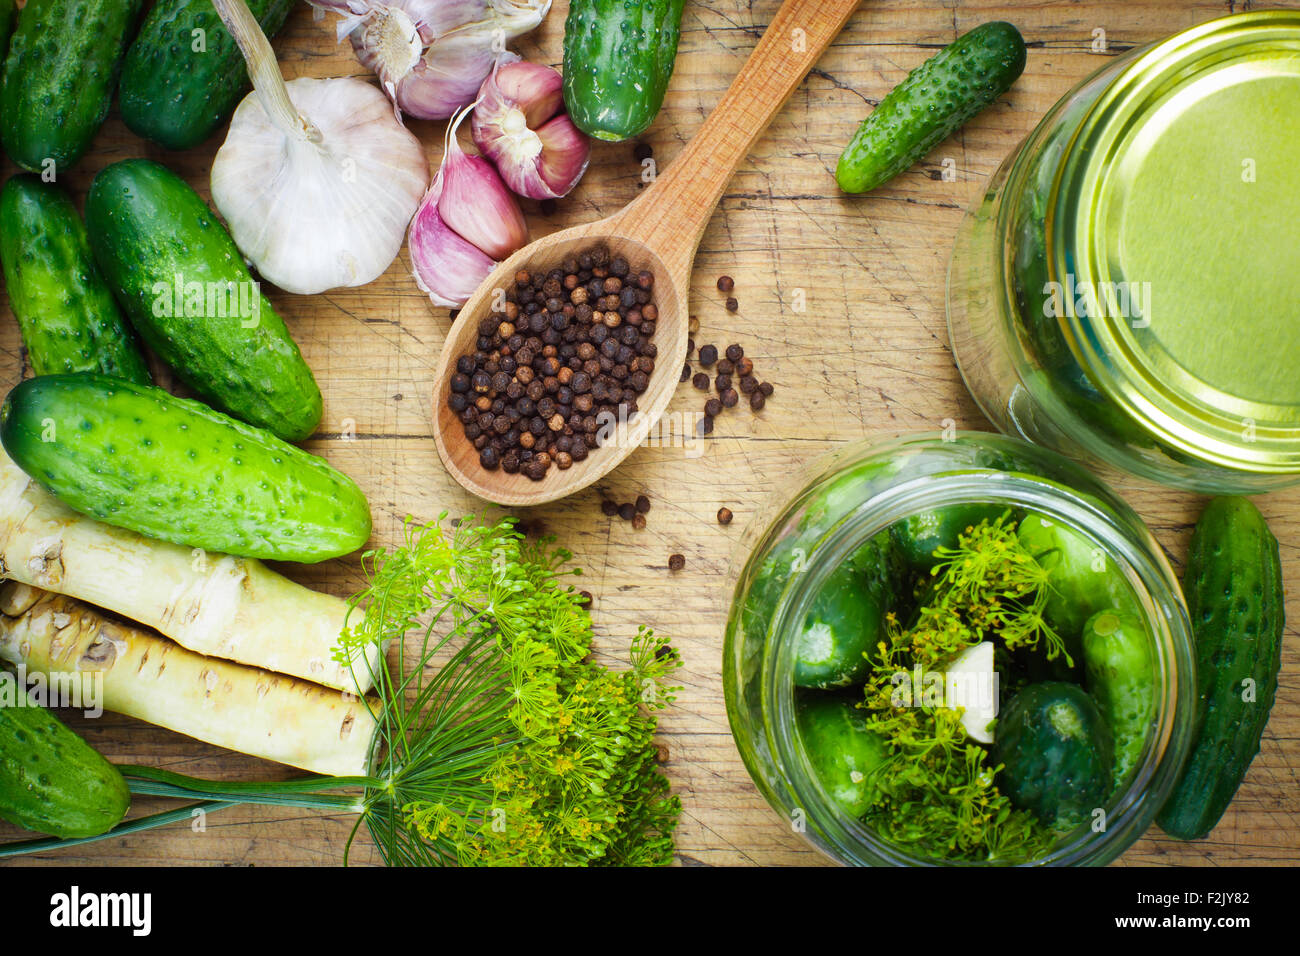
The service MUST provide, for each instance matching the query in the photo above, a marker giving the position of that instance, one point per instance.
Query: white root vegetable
(214, 604)
(240, 708)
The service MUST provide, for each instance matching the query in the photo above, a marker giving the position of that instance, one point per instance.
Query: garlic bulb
(317, 179)
(519, 123)
(433, 55)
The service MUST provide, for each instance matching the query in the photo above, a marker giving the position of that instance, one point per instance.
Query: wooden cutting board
(841, 307)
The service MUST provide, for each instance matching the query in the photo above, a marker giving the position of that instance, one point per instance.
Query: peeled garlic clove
(476, 203)
(447, 268)
(519, 124)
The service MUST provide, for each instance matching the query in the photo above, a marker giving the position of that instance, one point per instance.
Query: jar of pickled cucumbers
(1125, 291)
(961, 651)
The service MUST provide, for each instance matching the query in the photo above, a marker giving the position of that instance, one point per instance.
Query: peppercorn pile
(565, 358)
(735, 377)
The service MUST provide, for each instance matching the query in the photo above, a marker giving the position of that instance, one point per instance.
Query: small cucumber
(1121, 678)
(1083, 578)
(59, 77)
(183, 76)
(137, 457)
(1233, 585)
(927, 107)
(847, 620)
(187, 291)
(845, 755)
(1056, 753)
(51, 780)
(68, 318)
(618, 59)
(918, 536)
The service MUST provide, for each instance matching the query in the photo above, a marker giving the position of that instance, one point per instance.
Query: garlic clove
(476, 203)
(566, 151)
(447, 268)
(534, 89)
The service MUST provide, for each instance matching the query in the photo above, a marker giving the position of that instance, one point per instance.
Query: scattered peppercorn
(766, 388)
(708, 355)
(638, 522)
(570, 349)
(676, 562)
(686, 372)
(726, 283)
(735, 353)
(724, 516)
(642, 152)
(701, 381)
(608, 508)
(713, 408)
(732, 304)
(729, 398)
(627, 511)
(642, 504)
(586, 597)
(757, 401)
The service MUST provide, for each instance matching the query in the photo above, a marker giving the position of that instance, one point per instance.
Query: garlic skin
(314, 213)
(432, 55)
(447, 268)
(475, 201)
(519, 123)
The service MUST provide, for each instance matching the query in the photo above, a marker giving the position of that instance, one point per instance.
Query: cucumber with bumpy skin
(67, 314)
(51, 780)
(936, 98)
(183, 76)
(618, 59)
(59, 77)
(1121, 679)
(173, 469)
(1233, 585)
(187, 291)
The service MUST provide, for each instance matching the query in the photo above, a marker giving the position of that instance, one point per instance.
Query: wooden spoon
(659, 231)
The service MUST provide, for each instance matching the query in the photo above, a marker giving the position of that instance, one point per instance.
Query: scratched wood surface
(868, 356)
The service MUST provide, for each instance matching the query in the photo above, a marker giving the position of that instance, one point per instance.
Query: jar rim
(1129, 813)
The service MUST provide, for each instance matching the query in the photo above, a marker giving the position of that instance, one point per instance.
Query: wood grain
(867, 356)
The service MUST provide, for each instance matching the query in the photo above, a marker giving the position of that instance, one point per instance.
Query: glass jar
(837, 505)
(1125, 291)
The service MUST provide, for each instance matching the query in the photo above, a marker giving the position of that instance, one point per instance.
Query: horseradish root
(241, 708)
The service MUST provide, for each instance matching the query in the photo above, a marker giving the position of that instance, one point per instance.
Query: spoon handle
(672, 214)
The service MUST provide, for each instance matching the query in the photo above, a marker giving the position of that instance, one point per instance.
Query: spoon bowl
(659, 232)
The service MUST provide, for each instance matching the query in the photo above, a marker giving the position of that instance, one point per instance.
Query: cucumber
(618, 59)
(175, 94)
(1084, 579)
(936, 98)
(51, 780)
(1055, 751)
(68, 318)
(1233, 584)
(59, 77)
(172, 468)
(1121, 678)
(846, 620)
(918, 536)
(845, 755)
(171, 262)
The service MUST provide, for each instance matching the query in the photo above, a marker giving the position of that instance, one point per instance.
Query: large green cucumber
(67, 314)
(185, 287)
(137, 457)
(59, 77)
(936, 98)
(51, 780)
(1233, 585)
(183, 76)
(846, 756)
(618, 59)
